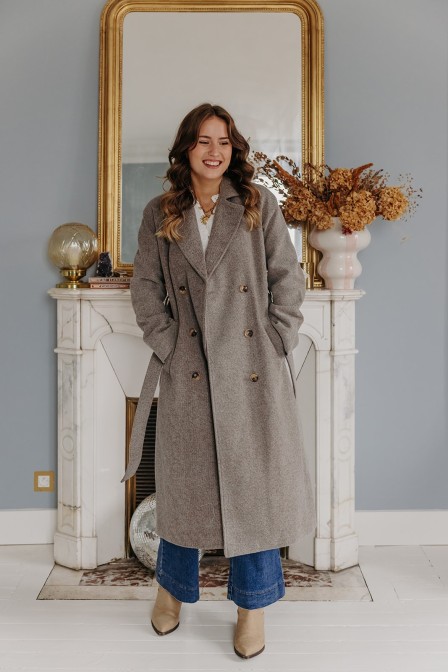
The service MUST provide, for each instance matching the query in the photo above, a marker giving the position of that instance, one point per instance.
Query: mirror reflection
(173, 61)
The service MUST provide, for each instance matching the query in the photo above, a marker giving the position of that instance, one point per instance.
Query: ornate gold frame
(109, 149)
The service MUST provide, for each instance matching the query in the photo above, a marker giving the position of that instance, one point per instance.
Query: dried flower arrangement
(356, 195)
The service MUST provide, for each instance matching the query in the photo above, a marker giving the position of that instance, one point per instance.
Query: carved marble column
(344, 540)
(329, 322)
(74, 542)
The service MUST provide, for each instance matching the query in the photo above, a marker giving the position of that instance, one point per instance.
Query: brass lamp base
(73, 276)
(73, 285)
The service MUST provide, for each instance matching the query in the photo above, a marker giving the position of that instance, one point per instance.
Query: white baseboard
(374, 528)
(402, 528)
(27, 526)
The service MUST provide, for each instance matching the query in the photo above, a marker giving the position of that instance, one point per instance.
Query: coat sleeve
(148, 292)
(286, 279)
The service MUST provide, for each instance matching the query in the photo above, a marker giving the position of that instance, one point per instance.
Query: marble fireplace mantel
(102, 360)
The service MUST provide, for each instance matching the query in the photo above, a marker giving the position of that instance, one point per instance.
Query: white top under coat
(204, 229)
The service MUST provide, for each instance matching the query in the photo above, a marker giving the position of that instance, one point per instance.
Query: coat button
(254, 377)
(195, 375)
(248, 332)
(193, 332)
(182, 289)
(243, 288)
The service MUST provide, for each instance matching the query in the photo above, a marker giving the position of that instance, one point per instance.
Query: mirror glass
(262, 60)
(248, 62)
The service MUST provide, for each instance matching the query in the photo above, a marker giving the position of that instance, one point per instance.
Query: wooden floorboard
(404, 628)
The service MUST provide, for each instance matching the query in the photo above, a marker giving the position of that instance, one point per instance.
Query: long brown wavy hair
(179, 197)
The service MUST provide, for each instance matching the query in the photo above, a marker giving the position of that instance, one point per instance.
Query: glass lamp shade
(73, 248)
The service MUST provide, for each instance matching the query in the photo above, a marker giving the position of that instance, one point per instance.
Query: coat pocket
(275, 338)
(288, 360)
(169, 359)
(292, 372)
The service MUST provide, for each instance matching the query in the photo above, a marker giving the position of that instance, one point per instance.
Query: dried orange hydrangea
(392, 203)
(341, 178)
(299, 206)
(321, 194)
(359, 210)
(320, 217)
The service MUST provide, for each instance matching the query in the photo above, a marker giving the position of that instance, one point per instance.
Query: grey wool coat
(230, 467)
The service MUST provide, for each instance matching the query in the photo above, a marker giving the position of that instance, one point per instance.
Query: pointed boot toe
(249, 634)
(165, 614)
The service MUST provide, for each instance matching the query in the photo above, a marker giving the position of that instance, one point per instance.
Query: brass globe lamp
(73, 248)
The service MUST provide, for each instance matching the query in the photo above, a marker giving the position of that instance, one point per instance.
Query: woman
(217, 290)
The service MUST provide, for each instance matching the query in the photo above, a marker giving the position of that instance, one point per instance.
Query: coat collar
(228, 216)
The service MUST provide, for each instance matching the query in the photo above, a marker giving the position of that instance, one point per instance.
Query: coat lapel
(190, 244)
(228, 216)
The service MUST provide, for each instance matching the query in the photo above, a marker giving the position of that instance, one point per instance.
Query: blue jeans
(255, 579)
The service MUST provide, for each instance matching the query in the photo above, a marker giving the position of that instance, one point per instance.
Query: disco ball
(142, 533)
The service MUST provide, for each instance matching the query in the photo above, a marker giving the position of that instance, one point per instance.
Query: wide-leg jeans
(255, 579)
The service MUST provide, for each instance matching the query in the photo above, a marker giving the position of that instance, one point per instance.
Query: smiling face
(211, 156)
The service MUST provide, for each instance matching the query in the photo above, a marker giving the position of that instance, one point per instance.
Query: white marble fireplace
(102, 360)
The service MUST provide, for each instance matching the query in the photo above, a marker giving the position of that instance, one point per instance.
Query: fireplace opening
(143, 483)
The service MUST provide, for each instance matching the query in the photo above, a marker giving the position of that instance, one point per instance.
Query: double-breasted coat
(230, 467)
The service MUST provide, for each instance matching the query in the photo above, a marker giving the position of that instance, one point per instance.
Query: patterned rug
(128, 579)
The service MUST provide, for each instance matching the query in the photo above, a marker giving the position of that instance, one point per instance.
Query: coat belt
(141, 415)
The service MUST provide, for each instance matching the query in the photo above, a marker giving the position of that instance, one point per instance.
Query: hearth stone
(129, 580)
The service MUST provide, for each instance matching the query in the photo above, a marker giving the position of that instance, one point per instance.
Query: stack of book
(111, 282)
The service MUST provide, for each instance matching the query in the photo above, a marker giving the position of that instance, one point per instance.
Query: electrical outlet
(43, 481)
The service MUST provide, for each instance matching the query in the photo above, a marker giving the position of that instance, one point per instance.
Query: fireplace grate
(143, 483)
(145, 477)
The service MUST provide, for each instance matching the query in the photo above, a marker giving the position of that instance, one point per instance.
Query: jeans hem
(181, 593)
(256, 600)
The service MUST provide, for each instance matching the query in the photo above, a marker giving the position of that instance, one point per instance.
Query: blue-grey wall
(49, 56)
(386, 102)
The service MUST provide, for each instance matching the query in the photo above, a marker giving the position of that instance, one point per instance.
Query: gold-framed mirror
(262, 60)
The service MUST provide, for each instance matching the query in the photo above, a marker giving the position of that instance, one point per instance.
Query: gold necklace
(207, 213)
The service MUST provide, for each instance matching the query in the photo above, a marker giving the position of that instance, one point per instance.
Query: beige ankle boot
(249, 634)
(165, 614)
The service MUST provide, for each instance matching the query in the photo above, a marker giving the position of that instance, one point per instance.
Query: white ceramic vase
(339, 266)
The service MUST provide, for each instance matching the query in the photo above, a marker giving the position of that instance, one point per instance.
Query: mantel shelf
(95, 294)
